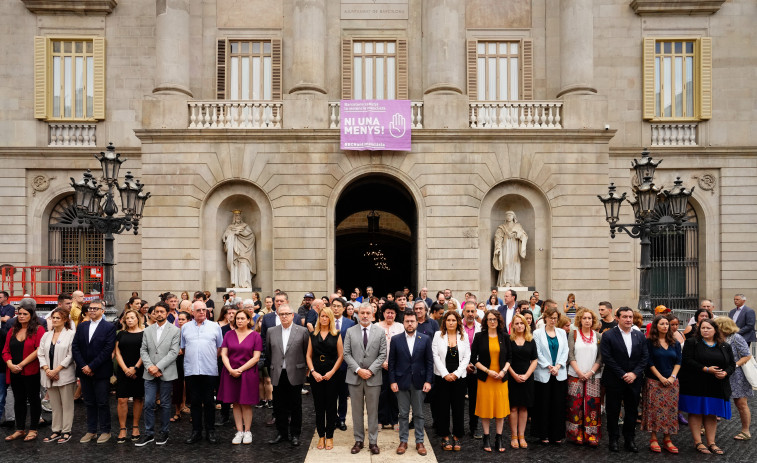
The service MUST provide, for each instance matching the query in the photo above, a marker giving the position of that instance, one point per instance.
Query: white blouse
(585, 354)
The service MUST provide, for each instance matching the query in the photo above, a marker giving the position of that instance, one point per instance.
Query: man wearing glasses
(92, 350)
(201, 340)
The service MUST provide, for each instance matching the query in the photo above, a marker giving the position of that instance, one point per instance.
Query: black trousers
(450, 395)
(548, 421)
(614, 395)
(325, 396)
(200, 388)
(26, 388)
(341, 378)
(287, 406)
(96, 395)
(471, 383)
(388, 410)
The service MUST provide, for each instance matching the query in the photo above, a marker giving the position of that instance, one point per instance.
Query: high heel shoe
(498, 444)
(486, 444)
(329, 444)
(321, 443)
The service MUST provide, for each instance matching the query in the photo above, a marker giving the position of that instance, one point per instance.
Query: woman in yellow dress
(491, 355)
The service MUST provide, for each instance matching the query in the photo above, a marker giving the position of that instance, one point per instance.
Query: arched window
(675, 263)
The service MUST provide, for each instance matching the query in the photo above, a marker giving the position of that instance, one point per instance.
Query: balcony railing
(674, 134)
(416, 106)
(516, 114)
(235, 114)
(71, 134)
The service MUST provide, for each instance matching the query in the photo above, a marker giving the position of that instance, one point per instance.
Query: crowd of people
(514, 361)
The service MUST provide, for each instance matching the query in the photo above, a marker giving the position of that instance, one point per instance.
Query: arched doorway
(375, 224)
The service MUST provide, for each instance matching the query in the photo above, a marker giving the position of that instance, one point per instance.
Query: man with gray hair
(744, 318)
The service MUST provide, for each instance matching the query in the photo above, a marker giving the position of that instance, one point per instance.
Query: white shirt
(159, 332)
(410, 338)
(627, 338)
(737, 313)
(509, 313)
(285, 332)
(93, 327)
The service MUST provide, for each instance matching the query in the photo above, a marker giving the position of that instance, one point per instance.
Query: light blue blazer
(544, 359)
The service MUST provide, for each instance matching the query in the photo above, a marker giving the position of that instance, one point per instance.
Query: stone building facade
(525, 105)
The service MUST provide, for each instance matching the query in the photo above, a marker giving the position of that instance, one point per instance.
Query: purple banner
(375, 125)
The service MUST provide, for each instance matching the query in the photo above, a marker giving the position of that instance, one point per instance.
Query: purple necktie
(365, 338)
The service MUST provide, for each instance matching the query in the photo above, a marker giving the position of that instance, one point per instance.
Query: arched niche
(216, 216)
(532, 210)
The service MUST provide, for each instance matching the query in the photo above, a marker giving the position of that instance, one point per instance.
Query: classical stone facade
(541, 137)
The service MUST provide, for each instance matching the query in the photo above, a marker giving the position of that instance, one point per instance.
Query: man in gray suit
(364, 354)
(285, 352)
(160, 347)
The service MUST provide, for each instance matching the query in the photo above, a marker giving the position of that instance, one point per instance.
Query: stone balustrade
(674, 134)
(516, 115)
(71, 134)
(235, 114)
(417, 114)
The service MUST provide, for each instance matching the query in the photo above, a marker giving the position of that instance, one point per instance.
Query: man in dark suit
(507, 310)
(411, 369)
(286, 349)
(92, 349)
(744, 318)
(342, 325)
(625, 354)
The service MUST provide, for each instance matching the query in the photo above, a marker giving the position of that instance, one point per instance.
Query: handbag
(750, 371)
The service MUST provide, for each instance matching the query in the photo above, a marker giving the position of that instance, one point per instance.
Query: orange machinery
(44, 283)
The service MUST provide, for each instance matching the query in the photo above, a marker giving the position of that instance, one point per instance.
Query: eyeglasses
(92, 309)
(285, 314)
(490, 320)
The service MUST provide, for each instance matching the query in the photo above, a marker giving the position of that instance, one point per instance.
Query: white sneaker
(237, 438)
(247, 438)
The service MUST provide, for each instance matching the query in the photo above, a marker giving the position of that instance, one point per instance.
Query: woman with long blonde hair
(522, 369)
(129, 382)
(584, 363)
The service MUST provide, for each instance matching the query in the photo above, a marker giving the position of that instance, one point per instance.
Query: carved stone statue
(239, 245)
(509, 248)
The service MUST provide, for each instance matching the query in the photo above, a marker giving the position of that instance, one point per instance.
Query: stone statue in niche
(239, 246)
(509, 248)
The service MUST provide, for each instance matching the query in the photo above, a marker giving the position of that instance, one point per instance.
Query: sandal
(31, 435)
(701, 448)
(456, 444)
(53, 437)
(185, 410)
(713, 448)
(64, 438)
(121, 439)
(135, 437)
(15, 435)
(321, 443)
(446, 444)
(175, 418)
(514, 442)
(669, 446)
(522, 442)
(742, 436)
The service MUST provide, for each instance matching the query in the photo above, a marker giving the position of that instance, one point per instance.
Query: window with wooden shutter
(500, 70)
(69, 78)
(677, 79)
(374, 69)
(248, 69)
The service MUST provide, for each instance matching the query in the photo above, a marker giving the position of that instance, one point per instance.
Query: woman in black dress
(522, 384)
(129, 372)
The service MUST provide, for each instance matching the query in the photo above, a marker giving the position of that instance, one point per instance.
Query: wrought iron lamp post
(646, 198)
(98, 208)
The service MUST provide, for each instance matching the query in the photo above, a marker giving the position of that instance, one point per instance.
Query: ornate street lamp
(646, 198)
(98, 208)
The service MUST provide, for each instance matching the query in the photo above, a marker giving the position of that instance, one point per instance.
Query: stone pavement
(260, 451)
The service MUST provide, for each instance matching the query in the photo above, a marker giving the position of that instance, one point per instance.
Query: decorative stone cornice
(679, 7)
(80, 7)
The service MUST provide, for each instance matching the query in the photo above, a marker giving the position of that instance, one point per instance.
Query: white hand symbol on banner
(397, 126)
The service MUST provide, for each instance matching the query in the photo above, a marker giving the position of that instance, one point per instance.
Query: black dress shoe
(212, 437)
(195, 437)
(222, 422)
(277, 440)
(614, 446)
(343, 426)
(295, 441)
(630, 446)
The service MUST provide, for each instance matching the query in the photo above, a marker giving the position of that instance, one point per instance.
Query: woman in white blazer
(548, 419)
(451, 350)
(59, 374)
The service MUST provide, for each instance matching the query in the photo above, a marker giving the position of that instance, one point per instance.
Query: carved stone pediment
(81, 7)
(679, 7)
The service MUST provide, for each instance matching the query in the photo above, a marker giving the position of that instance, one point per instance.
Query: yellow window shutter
(346, 69)
(471, 68)
(276, 69)
(40, 78)
(98, 47)
(648, 78)
(221, 70)
(527, 70)
(705, 78)
(402, 70)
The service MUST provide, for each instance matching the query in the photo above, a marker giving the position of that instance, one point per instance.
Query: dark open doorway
(376, 223)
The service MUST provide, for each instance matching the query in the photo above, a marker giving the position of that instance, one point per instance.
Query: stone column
(172, 48)
(444, 101)
(306, 105)
(583, 108)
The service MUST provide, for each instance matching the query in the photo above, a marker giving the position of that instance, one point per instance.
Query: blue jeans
(3, 389)
(152, 387)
